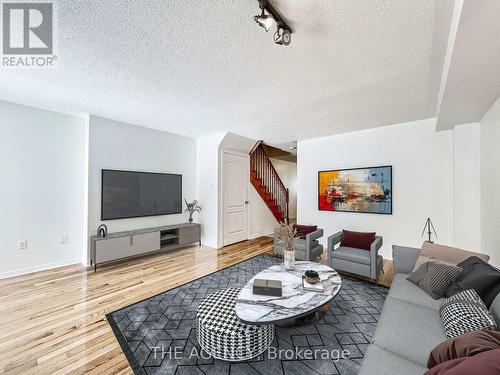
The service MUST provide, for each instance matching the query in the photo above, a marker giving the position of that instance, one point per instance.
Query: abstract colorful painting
(366, 190)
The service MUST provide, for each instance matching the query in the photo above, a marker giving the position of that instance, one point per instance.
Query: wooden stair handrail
(274, 170)
(257, 144)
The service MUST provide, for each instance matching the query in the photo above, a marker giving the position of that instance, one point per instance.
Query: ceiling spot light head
(282, 36)
(268, 18)
(265, 21)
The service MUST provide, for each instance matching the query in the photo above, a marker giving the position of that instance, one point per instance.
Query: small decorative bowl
(312, 277)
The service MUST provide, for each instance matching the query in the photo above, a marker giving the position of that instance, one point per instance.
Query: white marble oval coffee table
(295, 302)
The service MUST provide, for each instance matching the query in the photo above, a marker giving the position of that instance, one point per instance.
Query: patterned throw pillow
(433, 277)
(465, 312)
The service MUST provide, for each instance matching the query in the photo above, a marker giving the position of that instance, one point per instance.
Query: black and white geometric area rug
(158, 335)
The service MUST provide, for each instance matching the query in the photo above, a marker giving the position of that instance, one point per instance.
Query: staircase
(268, 184)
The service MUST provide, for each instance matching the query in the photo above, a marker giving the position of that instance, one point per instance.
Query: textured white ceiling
(196, 67)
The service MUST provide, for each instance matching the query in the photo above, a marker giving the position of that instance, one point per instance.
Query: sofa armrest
(376, 245)
(310, 237)
(374, 248)
(276, 234)
(404, 258)
(278, 248)
(333, 240)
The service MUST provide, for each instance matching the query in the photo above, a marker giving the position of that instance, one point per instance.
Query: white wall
(42, 159)
(422, 161)
(261, 220)
(207, 187)
(115, 145)
(467, 188)
(234, 142)
(490, 183)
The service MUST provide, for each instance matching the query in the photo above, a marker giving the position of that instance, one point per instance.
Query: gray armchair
(356, 261)
(307, 248)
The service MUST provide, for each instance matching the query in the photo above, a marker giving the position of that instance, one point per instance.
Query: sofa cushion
(404, 258)
(477, 275)
(358, 240)
(495, 309)
(465, 345)
(378, 361)
(449, 254)
(408, 330)
(352, 255)
(465, 312)
(485, 363)
(405, 290)
(434, 277)
(424, 258)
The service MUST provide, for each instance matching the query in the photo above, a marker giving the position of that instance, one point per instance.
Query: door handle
(246, 202)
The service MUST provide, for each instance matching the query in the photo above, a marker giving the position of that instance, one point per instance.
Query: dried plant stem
(287, 234)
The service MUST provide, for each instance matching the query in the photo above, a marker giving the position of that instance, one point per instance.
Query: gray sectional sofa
(409, 326)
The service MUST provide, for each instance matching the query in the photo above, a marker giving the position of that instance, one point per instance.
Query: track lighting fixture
(283, 33)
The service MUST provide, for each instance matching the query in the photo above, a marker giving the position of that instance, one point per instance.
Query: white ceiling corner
(471, 83)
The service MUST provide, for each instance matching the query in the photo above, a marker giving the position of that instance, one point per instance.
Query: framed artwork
(364, 190)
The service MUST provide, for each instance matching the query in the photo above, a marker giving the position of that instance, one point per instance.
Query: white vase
(289, 259)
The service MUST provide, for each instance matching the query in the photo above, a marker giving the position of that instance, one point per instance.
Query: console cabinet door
(113, 248)
(189, 234)
(123, 247)
(144, 243)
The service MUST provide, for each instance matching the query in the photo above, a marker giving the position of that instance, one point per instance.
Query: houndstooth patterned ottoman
(222, 335)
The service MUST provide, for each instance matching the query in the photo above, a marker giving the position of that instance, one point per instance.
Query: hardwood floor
(53, 322)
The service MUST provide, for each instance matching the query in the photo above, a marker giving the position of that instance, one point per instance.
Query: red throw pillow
(468, 344)
(358, 240)
(485, 363)
(303, 230)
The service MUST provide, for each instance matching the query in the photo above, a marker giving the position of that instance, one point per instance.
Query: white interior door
(236, 174)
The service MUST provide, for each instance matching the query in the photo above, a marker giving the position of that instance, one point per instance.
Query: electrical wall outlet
(22, 245)
(64, 240)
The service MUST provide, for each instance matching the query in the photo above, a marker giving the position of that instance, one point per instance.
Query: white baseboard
(261, 234)
(43, 267)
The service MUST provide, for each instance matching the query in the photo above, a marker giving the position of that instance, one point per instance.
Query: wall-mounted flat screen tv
(127, 194)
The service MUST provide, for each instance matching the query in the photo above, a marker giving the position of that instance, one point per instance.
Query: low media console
(121, 245)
